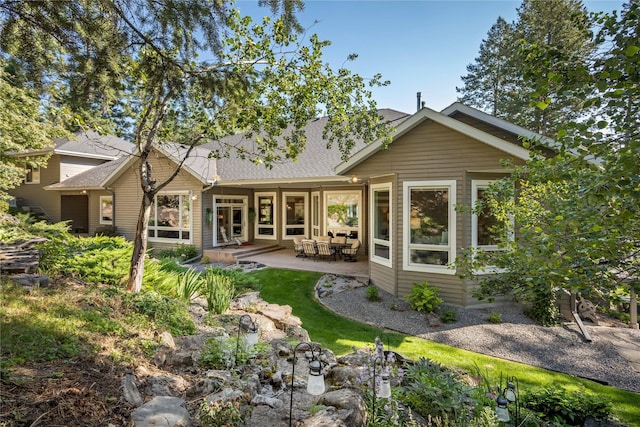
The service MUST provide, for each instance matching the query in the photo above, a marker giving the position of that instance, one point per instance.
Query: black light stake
(250, 329)
(384, 391)
(315, 381)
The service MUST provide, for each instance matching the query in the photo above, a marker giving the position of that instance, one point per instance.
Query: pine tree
(490, 78)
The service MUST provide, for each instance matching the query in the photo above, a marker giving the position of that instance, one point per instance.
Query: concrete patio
(275, 256)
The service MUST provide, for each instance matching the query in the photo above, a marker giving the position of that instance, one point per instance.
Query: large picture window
(106, 210)
(266, 224)
(295, 214)
(429, 231)
(343, 213)
(381, 224)
(171, 217)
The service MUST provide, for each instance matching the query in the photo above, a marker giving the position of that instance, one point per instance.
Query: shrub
(218, 353)
(221, 413)
(372, 293)
(448, 315)
(432, 390)
(424, 298)
(560, 407)
(218, 290)
(495, 318)
(164, 312)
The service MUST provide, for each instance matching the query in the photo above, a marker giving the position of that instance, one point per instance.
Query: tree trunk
(136, 270)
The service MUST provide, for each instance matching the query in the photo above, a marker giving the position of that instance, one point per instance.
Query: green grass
(295, 288)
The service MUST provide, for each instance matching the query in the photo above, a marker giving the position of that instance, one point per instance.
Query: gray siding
(72, 166)
(35, 195)
(429, 152)
(128, 199)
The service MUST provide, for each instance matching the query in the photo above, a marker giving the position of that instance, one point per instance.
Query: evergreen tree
(490, 79)
(497, 82)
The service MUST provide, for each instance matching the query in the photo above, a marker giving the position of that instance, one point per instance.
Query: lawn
(295, 288)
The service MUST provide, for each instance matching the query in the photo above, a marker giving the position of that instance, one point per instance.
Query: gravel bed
(517, 338)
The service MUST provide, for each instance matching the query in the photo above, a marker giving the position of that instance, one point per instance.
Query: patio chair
(297, 246)
(350, 253)
(226, 242)
(324, 239)
(325, 250)
(310, 248)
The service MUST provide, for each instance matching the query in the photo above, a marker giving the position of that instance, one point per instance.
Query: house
(399, 202)
(69, 158)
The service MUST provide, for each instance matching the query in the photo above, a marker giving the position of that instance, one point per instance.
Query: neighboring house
(399, 202)
(69, 158)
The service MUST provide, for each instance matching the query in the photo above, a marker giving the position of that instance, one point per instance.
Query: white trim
(102, 221)
(189, 195)
(305, 225)
(450, 186)
(274, 220)
(387, 262)
(86, 155)
(245, 219)
(316, 228)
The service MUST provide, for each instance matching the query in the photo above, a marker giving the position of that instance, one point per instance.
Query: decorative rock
(329, 417)
(31, 280)
(130, 391)
(227, 394)
(344, 376)
(204, 386)
(350, 403)
(272, 402)
(280, 315)
(246, 300)
(433, 320)
(163, 411)
(166, 340)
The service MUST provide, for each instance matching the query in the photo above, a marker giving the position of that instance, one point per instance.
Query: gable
(426, 116)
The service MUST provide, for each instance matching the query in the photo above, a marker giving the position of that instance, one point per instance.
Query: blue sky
(420, 46)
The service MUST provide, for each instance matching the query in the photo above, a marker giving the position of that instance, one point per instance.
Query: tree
(560, 25)
(24, 127)
(489, 79)
(261, 79)
(576, 212)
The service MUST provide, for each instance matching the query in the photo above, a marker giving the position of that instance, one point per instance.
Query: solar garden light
(384, 389)
(511, 393)
(502, 412)
(247, 326)
(315, 380)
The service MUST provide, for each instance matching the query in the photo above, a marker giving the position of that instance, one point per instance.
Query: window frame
(316, 212)
(373, 189)
(180, 229)
(407, 187)
(475, 185)
(325, 210)
(273, 225)
(34, 172)
(305, 225)
(101, 211)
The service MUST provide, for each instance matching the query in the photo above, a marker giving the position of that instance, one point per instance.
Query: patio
(275, 256)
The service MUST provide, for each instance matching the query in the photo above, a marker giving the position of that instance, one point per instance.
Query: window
(106, 210)
(171, 217)
(266, 223)
(231, 213)
(315, 215)
(381, 224)
(295, 214)
(483, 232)
(429, 230)
(33, 175)
(343, 213)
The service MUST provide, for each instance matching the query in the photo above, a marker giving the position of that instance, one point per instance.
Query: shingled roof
(89, 144)
(315, 163)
